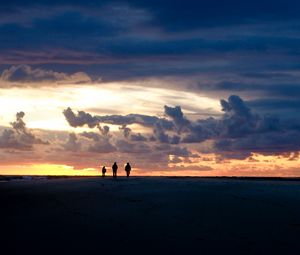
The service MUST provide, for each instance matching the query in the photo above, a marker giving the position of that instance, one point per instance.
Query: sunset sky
(200, 88)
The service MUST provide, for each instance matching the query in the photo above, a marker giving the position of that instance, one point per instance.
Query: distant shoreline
(51, 177)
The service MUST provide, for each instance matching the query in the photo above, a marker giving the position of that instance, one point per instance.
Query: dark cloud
(274, 103)
(126, 130)
(124, 146)
(272, 143)
(101, 143)
(102, 146)
(104, 130)
(213, 48)
(91, 135)
(17, 75)
(19, 125)
(138, 137)
(273, 89)
(237, 121)
(176, 115)
(240, 130)
(80, 119)
(129, 119)
(127, 133)
(72, 143)
(177, 14)
(204, 45)
(237, 133)
(19, 137)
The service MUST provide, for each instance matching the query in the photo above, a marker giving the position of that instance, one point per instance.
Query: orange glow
(205, 165)
(45, 169)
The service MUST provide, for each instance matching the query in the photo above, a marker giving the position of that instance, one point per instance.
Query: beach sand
(150, 215)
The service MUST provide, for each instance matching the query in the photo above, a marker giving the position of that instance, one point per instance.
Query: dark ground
(150, 215)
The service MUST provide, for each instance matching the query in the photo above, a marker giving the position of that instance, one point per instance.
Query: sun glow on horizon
(206, 165)
(45, 169)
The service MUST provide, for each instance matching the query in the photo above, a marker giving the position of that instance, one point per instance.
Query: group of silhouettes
(115, 170)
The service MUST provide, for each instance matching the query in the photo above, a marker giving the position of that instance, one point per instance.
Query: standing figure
(103, 171)
(127, 169)
(114, 169)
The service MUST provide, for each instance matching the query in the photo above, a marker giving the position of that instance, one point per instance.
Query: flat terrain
(150, 215)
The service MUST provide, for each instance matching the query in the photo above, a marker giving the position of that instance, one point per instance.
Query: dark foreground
(150, 216)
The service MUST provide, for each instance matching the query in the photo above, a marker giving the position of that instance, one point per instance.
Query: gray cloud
(102, 146)
(80, 119)
(19, 137)
(272, 143)
(91, 135)
(72, 143)
(238, 130)
(138, 137)
(126, 130)
(104, 130)
(101, 143)
(175, 113)
(18, 75)
(132, 148)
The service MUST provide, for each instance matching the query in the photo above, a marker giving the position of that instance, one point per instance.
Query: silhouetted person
(127, 169)
(115, 169)
(103, 171)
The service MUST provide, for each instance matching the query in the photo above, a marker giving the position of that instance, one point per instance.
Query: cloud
(126, 130)
(19, 125)
(272, 143)
(159, 134)
(104, 130)
(80, 119)
(175, 113)
(72, 143)
(157, 45)
(238, 119)
(102, 146)
(237, 133)
(127, 133)
(25, 74)
(124, 146)
(241, 130)
(91, 135)
(19, 137)
(190, 168)
(138, 137)
(101, 143)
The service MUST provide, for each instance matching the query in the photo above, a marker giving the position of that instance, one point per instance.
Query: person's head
(115, 163)
(127, 163)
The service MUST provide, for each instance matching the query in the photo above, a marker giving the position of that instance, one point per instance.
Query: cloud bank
(25, 75)
(238, 130)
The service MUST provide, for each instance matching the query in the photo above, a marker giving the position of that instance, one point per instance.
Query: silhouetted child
(114, 169)
(103, 171)
(127, 169)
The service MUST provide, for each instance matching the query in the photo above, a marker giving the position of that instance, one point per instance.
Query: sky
(201, 88)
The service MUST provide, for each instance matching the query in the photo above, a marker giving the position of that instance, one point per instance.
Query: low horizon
(296, 178)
